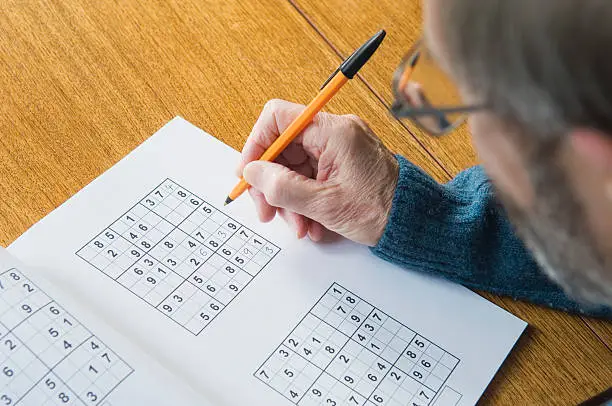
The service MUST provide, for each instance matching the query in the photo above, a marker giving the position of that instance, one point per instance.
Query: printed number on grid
(347, 352)
(180, 254)
(46, 356)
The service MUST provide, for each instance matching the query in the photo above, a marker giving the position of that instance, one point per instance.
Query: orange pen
(332, 85)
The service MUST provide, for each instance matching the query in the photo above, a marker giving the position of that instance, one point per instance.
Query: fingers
(265, 211)
(316, 231)
(274, 118)
(283, 187)
(302, 225)
(296, 221)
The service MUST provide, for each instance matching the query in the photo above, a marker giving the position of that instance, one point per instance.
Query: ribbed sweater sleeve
(459, 231)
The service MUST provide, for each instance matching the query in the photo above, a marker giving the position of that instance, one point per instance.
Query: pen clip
(330, 78)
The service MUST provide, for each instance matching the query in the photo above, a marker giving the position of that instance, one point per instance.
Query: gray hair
(544, 65)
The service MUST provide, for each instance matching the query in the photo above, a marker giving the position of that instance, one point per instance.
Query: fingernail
(303, 234)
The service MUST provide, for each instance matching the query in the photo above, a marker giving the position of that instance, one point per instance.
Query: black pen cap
(353, 63)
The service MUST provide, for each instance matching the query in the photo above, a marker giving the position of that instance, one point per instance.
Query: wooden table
(83, 82)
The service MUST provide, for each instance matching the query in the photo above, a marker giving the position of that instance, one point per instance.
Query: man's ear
(594, 147)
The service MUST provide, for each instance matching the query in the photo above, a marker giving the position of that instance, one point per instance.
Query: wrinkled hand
(336, 175)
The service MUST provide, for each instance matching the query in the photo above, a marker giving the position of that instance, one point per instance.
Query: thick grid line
(49, 371)
(386, 322)
(178, 222)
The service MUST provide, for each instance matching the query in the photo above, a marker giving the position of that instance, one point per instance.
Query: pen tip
(228, 200)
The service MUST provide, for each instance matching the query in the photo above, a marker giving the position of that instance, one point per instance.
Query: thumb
(283, 187)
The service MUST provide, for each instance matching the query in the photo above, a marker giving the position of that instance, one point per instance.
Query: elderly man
(535, 80)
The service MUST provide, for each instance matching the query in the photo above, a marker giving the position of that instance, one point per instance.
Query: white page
(456, 339)
(54, 351)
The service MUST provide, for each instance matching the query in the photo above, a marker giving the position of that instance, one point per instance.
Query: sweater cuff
(453, 232)
(413, 223)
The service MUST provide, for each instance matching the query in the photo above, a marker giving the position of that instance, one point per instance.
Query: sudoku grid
(345, 351)
(180, 254)
(46, 356)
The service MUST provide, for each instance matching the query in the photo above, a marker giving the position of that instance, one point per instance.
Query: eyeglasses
(426, 95)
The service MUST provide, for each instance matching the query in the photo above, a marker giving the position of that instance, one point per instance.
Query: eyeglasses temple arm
(399, 110)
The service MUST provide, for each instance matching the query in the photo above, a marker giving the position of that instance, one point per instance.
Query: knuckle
(353, 118)
(355, 122)
(272, 105)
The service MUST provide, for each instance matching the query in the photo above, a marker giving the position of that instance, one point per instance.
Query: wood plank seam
(369, 86)
(586, 321)
(382, 101)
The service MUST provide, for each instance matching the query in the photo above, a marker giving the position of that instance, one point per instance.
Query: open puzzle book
(141, 290)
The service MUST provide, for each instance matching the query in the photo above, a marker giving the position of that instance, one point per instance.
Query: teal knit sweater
(460, 232)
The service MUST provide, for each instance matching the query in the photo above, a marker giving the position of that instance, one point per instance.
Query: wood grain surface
(344, 24)
(338, 22)
(83, 82)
